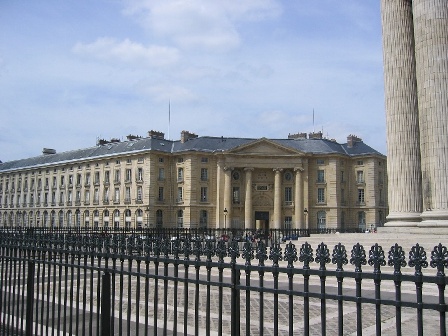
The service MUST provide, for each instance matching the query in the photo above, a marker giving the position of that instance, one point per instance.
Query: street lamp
(305, 213)
(147, 217)
(225, 218)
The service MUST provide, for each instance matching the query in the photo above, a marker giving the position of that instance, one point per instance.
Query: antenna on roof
(169, 118)
(313, 121)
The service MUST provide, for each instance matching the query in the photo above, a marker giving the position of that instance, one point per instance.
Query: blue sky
(75, 70)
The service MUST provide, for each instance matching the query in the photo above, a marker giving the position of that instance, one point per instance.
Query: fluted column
(298, 200)
(400, 86)
(248, 219)
(277, 199)
(219, 208)
(228, 195)
(431, 49)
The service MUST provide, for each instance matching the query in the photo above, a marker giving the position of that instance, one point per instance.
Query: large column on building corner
(402, 118)
(277, 199)
(431, 50)
(248, 219)
(298, 200)
(228, 196)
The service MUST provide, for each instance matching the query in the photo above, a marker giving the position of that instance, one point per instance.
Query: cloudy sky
(73, 71)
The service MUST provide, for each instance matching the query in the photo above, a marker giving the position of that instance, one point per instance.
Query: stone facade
(196, 182)
(415, 48)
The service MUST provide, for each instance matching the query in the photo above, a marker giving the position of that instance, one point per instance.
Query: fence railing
(164, 282)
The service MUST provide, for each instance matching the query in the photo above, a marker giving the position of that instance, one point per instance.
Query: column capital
(299, 169)
(248, 169)
(278, 170)
(226, 168)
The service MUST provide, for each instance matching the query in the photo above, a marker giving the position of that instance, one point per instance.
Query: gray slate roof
(199, 144)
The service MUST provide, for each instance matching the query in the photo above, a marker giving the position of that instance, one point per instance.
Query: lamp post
(305, 213)
(147, 217)
(225, 218)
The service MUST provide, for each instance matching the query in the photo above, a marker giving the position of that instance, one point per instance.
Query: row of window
(69, 218)
(68, 197)
(73, 180)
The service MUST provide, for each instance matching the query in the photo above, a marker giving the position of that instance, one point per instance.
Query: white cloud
(211, 25)
(127, 51)
(163, 93)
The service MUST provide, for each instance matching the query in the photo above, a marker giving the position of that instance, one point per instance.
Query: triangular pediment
(264, 147)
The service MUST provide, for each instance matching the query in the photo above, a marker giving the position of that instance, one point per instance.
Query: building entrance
(262, 220)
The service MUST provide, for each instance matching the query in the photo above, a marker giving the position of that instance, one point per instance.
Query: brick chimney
(315, 135)
(352, 140)
(185, 136)
(156, 135)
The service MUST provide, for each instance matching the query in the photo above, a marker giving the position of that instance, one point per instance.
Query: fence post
(29, 299)
(105, 305)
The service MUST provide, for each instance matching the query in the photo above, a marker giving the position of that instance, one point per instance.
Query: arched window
(362, 220)
(139, 218)
(86, 218)
(78, 218)
(69, 218)
(61, 219)
(203, 218)
(106, 218)
(180, 218)
(117, 218)
(159, 218)
(37, 218)
(45, 218)
(30, 218)
(127, 218)
(53, 219)
(96, 218)
(321, 220)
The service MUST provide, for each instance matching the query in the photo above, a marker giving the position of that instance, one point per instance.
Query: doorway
(262, 220)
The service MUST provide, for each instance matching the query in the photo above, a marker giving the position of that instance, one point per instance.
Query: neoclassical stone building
(215, 182)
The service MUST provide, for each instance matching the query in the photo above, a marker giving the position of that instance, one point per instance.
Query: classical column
(431, 52)
(277, 199)
(219, 209)
(228, 195)
(298, 200)
(400, 86)
(248, 219)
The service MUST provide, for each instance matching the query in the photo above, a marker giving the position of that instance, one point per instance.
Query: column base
(403, 219)
(434, 218)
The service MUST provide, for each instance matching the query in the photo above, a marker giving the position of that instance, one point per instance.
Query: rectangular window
(288, 195)
(140, 174)
(96, 195)
(204, 194)
(361, 196)
(139, 194)
(128, 175)
(127, 197)
(106, 195)
(160, 195)
(180, 195)
(236, 195)
(161, 174)
(87, 196)
(117, 195)
(204, 174)
(78, 179)
(321, 195)
(288, 222)
(107, 176)
(320, 161)
(204, 159)
(117, 176)
(360, 176)
(180, 174)
(97, 178)
(342, 176)
(87, 179)
(320, 176)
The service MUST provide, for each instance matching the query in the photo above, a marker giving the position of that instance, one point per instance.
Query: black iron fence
(214, 283)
